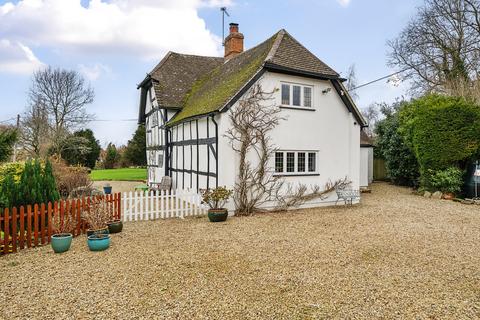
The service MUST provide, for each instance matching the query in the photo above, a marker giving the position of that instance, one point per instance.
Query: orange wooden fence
(31, 226)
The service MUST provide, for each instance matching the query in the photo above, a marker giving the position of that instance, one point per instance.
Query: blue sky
(115, 43)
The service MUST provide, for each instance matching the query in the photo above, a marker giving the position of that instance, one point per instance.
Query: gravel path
(394, 256)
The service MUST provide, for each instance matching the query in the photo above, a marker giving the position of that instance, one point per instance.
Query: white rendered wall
(330, 129)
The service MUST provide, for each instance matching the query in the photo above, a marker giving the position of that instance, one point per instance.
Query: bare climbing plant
(249, 135)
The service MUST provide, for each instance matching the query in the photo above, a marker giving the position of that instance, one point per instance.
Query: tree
(35, 130)
(136, 151)
(81, 148)
(439, 49)
(352, 82)
(111, 156)
(400, 161)
(8, 137)
(64, 95)
(372, 115)
(442, 131)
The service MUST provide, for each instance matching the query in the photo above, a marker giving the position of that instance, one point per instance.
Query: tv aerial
(224, 12)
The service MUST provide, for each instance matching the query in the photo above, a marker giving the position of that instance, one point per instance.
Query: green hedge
(444, 134)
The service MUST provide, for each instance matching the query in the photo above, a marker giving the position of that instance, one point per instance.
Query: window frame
(290, 104)
(295, 172)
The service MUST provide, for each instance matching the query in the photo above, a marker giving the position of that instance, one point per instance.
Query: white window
(160, 159)
(297, 95)
(295, 162)
(155, 118)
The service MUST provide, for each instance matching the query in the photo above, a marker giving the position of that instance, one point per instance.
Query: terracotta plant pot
(98, 242)
(61, 242)
(115, 226)
(217, 215)
(97, 231)
(448, 196)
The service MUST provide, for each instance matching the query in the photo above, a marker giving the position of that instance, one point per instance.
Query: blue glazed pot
(61, 242)
(98, 242)
(107, 190)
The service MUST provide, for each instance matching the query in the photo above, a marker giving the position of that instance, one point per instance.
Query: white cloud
(16, 57)
(344, 3)
(142, 28)
(94, 72)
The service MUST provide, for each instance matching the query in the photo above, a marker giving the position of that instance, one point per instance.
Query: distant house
(185, 99)
(366, 160)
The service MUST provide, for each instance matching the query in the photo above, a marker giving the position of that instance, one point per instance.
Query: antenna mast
(224, 12)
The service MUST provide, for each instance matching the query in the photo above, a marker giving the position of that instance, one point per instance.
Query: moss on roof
(213, 91)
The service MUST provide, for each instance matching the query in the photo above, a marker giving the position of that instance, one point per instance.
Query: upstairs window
(296, 95)
(285, 94)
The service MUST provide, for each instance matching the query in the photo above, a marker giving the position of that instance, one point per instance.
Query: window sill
(296, 174)
(298, 108)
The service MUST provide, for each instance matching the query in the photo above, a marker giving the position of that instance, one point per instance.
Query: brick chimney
(233, 42)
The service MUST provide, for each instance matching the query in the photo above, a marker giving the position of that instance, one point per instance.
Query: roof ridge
(194, 55)
(306, 49)
(273, 50)
(161, 63)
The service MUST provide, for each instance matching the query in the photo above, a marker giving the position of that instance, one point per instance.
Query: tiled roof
(201, 85)
(175, 74)
(293, 55)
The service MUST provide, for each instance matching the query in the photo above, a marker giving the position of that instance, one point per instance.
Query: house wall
(155, 137)
(366, 166)
(330, 129)
(193, 154)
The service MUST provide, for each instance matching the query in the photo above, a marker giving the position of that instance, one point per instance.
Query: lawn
(394, 256)
(124, 174)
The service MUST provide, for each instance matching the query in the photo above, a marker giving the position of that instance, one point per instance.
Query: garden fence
(161, 204)
(31, 226)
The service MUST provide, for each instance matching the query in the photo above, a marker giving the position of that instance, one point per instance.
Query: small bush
(449, 180)
(70, 178)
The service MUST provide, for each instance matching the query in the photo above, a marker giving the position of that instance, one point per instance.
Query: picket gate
(161, 204)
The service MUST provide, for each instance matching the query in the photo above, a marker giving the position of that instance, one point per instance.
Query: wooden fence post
(42, 223)
(49, 217)
(14, 229)
(6, 241)
(22, 228)
(35, 224)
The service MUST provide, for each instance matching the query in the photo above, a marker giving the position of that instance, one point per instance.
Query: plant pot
(107, 190)
(61, 242)
(115, 226)
(448, 196)
(98, 242)
(217, 215)
(91, 232)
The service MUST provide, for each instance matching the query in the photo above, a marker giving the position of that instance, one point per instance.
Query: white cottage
(185, 99)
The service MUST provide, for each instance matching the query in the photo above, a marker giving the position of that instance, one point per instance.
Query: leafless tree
(35, 130)
(251, 123)
(372, 115)
(440, 48)
(352, 82)
(64, 95)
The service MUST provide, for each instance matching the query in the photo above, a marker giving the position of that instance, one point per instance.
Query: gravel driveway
(394, 256)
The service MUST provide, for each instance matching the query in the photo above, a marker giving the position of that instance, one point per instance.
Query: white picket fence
(150, 205)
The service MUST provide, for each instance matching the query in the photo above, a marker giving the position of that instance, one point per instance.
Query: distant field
(125, 174)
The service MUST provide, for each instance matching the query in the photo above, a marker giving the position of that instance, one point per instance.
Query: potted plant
(97, 216)
(107, 188)
(216, 199)
(98, 242)
(62, 238)
(115, 226)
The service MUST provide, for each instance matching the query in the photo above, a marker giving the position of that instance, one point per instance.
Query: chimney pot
(233, 42)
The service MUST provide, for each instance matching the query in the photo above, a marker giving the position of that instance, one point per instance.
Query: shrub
(12, 168)
(35, 185)
(442, 131)
(216, 198)
(400, 161)
(8, 137)
(70, 178)
(449, 180)
(81, 148)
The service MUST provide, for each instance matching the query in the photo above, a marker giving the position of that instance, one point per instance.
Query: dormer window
(296, 95)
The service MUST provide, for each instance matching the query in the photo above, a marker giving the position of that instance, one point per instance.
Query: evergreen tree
(111, 156)
(136, 152)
